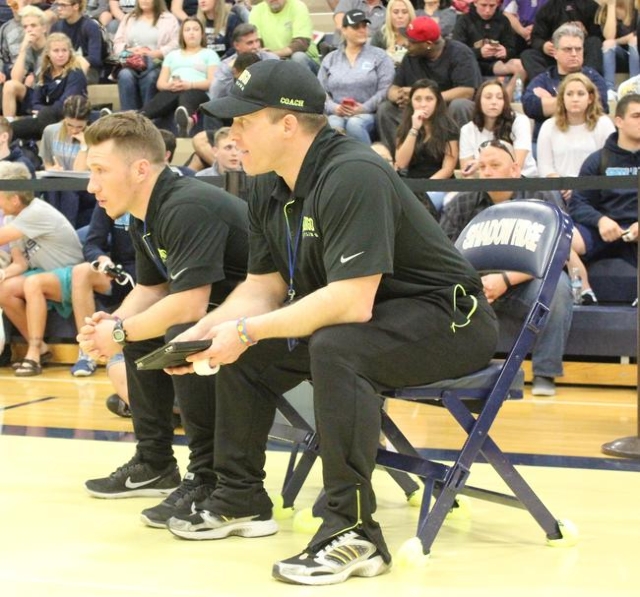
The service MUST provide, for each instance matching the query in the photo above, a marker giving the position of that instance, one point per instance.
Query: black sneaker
(118, 406)
(349, 554)
(203, 524)
(178, 503)
(135, 479)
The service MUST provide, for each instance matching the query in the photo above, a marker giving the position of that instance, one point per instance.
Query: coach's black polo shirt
(195, 234)
(357, 218)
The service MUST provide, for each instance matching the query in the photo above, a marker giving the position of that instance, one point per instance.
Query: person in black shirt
(351, 283)
(190, 242)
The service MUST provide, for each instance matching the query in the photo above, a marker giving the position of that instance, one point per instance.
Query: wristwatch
(119, 334)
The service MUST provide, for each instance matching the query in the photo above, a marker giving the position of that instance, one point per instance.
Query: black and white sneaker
(135, 479)
(348, 554)
(203, 524)
(180, 502)
(183, 121)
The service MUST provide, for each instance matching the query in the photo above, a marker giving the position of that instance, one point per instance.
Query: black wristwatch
(119, 334)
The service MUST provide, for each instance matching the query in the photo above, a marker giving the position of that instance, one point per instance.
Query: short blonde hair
(16, 171)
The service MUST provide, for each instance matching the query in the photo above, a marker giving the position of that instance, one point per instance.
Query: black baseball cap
(353, 17)
(270, 84)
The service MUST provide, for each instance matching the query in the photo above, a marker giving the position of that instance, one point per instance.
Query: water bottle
(576, 286)
(517, 92)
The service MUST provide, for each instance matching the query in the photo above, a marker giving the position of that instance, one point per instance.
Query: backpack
(106, 52)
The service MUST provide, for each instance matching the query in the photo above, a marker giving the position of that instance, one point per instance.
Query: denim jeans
(548, 350)
(359, 127)
(303, 59)
(623, 56)
(136, 89)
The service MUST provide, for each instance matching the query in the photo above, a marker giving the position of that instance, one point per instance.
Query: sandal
(28, 368)
(45, 358)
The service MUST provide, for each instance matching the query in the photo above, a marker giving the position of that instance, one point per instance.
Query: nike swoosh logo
(136, 485)
(177, 274)
(344, 259)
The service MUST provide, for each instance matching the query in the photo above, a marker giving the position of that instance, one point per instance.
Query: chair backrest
(531, 237)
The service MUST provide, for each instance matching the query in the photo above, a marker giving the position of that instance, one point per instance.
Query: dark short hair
(623, 103)
(244, 60)
(170, 142)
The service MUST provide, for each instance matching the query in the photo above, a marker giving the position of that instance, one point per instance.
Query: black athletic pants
(151, 396)
(164, 103)
(408, 341)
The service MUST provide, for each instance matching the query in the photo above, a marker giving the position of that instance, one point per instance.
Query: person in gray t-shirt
(44, 246)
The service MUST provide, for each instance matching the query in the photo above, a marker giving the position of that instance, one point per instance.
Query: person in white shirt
(578, 128)
(493, 118)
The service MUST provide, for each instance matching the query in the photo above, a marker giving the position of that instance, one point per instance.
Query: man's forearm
(158, 316)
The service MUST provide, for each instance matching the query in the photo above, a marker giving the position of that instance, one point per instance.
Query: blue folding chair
(532, 237)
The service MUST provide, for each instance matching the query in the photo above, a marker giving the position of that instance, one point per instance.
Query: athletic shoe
(183, 121)
(135, 479)
(178, 503)
(543, 386)
(203, 524)
(118, 406)
(84, 367)
(588, 298)
(349, 554)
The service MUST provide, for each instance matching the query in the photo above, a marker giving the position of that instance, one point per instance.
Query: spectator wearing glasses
(551, 16)
(497, 160)
(84, 33)
(27, 64)
(539, 100)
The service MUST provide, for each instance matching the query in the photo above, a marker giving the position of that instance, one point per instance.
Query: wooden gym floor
(55, 540)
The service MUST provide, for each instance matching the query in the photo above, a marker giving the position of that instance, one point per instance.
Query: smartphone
(349, 102)
(172, 354)
(176, 78)
(494, 42)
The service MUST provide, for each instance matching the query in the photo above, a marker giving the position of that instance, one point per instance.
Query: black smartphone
(172, 354)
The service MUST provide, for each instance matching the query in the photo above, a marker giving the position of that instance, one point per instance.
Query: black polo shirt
(194, 234)
(356, 218)
(455, 67)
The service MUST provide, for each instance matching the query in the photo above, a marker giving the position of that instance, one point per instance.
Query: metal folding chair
(532, 237)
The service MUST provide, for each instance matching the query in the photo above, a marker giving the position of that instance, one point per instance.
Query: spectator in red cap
(449, 63)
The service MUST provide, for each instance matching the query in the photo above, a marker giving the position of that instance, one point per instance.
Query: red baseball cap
(423, 29)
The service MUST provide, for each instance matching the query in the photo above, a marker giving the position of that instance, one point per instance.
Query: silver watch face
(119, 335)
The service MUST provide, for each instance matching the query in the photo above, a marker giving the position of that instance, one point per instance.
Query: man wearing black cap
(351, 283)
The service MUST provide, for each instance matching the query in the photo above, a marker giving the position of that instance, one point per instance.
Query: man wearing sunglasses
(504, 289)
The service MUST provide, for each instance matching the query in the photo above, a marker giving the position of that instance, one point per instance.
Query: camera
(116, 272)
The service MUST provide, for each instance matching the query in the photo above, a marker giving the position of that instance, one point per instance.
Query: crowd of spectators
(428, 82)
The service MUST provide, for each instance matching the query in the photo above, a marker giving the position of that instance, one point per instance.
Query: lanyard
(153, 252)
(293, 245)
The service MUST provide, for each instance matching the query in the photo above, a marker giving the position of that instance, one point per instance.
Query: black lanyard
(153, 252)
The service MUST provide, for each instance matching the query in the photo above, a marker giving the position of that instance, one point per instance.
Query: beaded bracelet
(241, 327)
(413, 132)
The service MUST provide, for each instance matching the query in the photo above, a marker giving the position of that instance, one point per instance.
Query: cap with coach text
(270, 84)
(423, 29)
